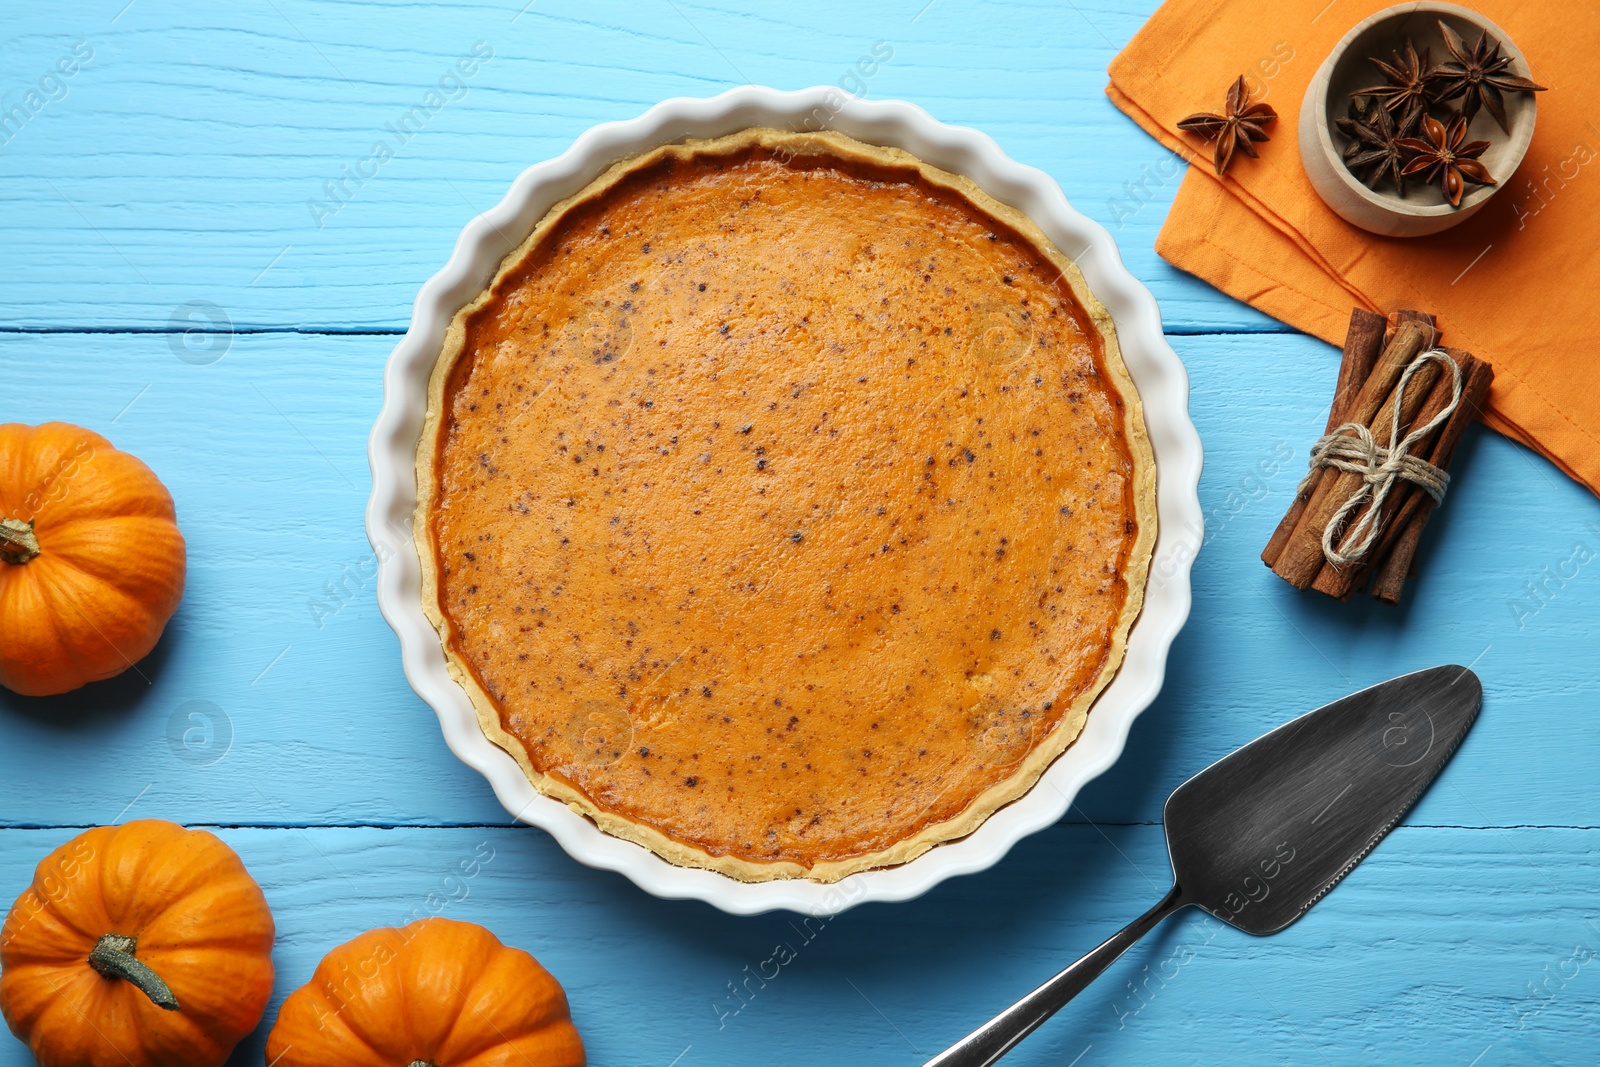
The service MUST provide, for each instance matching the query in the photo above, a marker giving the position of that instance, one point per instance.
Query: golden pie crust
(784, 504)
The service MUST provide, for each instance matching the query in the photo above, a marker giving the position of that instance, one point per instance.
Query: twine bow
(1353, 449)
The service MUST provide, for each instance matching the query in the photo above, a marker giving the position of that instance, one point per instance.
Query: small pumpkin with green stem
(91, 561)
(141, 945)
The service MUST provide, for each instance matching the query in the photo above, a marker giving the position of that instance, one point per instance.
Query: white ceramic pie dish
(1156, 370)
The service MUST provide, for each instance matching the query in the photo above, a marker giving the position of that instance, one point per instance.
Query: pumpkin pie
(784, 504)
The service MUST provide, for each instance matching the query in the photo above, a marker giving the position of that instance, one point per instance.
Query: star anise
(1240, 124)
(1374, 152)
(1439, 151)
(1478, 75)
(1406, 89)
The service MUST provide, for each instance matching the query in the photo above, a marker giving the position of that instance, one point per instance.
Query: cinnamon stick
(1340, 581)
(1362, 343)
(1391, 571)
(1476, 379)
(1444, 446)
(1301, 557)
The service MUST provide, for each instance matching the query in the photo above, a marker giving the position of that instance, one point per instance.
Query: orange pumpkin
(437, 993)
(91, 561)
(141, 945)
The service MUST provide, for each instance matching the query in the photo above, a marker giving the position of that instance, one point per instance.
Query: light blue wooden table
(180, 178)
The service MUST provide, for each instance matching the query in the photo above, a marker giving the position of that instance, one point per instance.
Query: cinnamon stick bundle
(1377, 351)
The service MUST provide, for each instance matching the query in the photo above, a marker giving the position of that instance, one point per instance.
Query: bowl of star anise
(1418, 116)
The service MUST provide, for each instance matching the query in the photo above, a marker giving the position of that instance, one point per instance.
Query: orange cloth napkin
(1517, 284)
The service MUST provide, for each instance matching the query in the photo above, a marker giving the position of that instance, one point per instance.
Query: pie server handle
(999, 1035)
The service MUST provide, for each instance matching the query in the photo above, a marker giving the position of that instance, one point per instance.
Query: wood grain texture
(180, 163)
(176, 168)
(1426, 954)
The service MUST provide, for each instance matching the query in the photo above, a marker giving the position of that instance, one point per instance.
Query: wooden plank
(279, 633)
(190, 158)
(1445, 945)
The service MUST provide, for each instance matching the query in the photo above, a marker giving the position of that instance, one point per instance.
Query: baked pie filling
(785, 504)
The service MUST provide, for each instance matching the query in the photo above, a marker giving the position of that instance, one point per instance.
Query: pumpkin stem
(17, 542)
(419, 1063)
(113, 958)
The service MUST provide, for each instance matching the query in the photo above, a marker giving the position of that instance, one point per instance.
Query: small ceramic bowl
(1423, 209)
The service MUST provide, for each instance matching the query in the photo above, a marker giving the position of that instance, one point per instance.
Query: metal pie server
(1261, 835)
